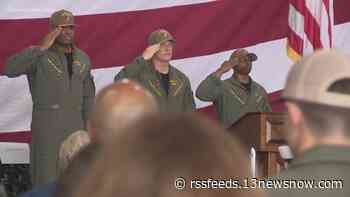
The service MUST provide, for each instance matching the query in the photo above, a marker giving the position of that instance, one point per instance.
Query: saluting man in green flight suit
(238, 95)
(62, 90)
(171, 87)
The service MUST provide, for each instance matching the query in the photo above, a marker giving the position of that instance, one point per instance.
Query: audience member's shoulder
(42, 191)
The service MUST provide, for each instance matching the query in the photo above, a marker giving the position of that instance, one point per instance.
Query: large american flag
(114, 32)
(311, 26)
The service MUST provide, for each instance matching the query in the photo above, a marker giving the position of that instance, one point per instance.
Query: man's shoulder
(259, 87)
(290, 173)
(310, 180)
(42, 191)
(319, 170)
(231, 84)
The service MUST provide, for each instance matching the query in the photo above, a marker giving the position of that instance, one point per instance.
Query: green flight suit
(180, 97)
(321, 167)
(61, 103)
(231, 99)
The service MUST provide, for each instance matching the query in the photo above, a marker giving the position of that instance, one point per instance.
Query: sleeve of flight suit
(209, 89)
(88, 96)
(22, 62)
(189, 104)
(266, 105)
(132, 70)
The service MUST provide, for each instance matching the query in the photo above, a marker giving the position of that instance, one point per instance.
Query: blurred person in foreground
(69, 149)
(117, 106)
(77, 170)
(156, 153)
(317, 95)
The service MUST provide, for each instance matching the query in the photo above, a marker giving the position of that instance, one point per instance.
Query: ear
(295, 114)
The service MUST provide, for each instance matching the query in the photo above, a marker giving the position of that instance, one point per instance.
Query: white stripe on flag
(20, 9)
(325, 23)
(314, 36)
(308, 48)
(314, 7)
(296, 21)
(319, 11)
(270, 70)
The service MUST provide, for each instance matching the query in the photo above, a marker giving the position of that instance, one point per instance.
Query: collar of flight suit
(175, 85)
(78, 67)
(236, 82)
(245, 96)
(60, 49)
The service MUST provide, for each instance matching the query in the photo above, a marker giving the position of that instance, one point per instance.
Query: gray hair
(71, 147)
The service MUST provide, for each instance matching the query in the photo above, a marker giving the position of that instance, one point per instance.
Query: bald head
(120, 104)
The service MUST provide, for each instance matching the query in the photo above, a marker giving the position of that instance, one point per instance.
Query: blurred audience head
(77, 170)
(71, 147)
(147, 158)
(317, 95)
(119, 105)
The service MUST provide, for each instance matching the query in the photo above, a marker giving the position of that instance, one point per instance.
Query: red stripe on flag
(311, 27)
(201, 29)
(210, 112)
(20, 137)
(296, 42)
(341, 11)
(299, 5)
(327, 4)
(312, 30)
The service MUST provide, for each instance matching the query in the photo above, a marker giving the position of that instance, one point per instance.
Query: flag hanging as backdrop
(114, 32)
(310, 26)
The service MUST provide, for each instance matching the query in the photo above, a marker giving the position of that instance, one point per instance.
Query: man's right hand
(150, 51)
(50, 38)
(225, 67)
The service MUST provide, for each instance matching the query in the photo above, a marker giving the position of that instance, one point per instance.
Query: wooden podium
(264, 132)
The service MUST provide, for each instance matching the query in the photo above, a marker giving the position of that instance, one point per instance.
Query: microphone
(252, 57)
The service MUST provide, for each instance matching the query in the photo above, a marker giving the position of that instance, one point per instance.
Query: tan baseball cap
(159, 36)
(310, 79)
(62, 18)
(244, 53)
